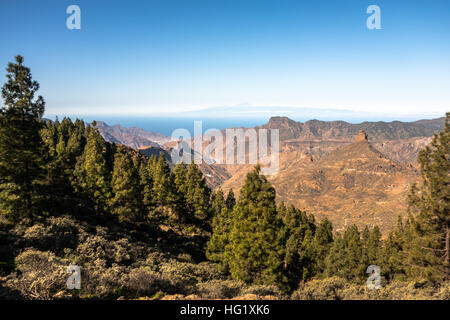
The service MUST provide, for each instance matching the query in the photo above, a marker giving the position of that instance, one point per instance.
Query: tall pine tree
(220, 231)
(164, 192)
(22, 152)
(91, 175)
(255, 251)
(231, 200)
(323, 240)
(197, 194)
(430, 204)
(126, 202)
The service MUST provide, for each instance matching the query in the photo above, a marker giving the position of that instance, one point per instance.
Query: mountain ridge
(377, 131)
(133, 137)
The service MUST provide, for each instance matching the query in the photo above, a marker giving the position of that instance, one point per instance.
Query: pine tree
(335, 263)
(346, 257)
(162, 182)
(255, 251)
(299, 253)
(180, 176)
(151, 166)
(72, 141)
(146, 187)
(76, 142)
(355, 264)
(91, 175)
(308, 256)
(282, 211)
(373, 245)
(365, 235)
(65, 142)
(218, 202)
(430, 203)
(197, 194)
(215, 250)
(231, 200)
(126, 201)
(163, 191)
(22, 152)
(323, 240)
(180, 182)
(56, 179)
(201, 203)
(392, 254)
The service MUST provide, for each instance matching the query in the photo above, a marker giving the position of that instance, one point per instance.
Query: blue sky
(167, 56)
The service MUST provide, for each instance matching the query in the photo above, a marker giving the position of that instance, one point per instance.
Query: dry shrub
(339, 289)
(181, 277)
(263, 291)
(42, 274)
(57, 233)
(219, 289)
(142, 282)
(327, 289)
(444, 291)
(99, 281)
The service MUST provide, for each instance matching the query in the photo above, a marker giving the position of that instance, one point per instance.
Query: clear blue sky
(146, 57)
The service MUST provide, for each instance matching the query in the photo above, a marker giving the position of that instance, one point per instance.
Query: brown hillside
(353, 184)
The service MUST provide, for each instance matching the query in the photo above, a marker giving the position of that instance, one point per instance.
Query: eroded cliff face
(340, 171)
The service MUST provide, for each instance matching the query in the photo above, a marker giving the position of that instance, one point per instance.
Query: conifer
(430, 205)
(126, 200)
(91, 175)
(255, 251)
(22, 151)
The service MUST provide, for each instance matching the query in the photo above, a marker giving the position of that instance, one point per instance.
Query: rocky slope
(354, 184)
(133, 137)
(341, 130)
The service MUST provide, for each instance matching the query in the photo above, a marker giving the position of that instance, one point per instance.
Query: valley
(349, 173)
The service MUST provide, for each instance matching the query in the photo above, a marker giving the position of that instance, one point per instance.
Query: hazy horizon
(167, 124)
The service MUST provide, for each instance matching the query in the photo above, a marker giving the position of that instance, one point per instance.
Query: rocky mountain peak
(282, 122)
(361, 136)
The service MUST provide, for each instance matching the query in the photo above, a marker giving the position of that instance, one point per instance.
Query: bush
(340, 290)
(327, 289)
(263, 290)
(101, 282)
(219, 289)
(41, 274)
(142, 282)
(180, 276)
(56, 235)
(444, 291)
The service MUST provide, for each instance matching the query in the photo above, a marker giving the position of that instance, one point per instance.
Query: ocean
(165, 125)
